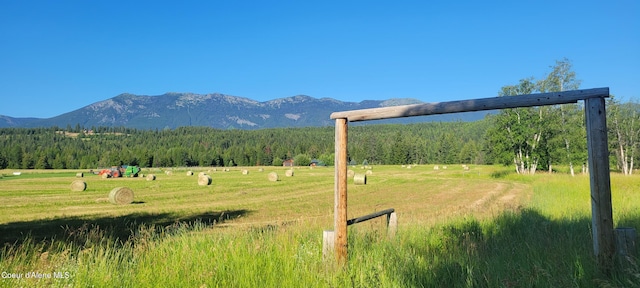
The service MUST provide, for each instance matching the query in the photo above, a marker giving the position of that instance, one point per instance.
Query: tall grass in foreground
(543, 243)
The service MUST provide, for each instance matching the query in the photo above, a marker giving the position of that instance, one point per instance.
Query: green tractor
(131, 171)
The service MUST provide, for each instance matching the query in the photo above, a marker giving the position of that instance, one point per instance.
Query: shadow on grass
(81, 230)
(516, 249)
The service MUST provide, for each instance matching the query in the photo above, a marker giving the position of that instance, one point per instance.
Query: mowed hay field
(419, 194)
(458, 228)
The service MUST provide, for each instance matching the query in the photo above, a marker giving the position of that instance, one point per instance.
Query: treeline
(76, 148)
(522, 137)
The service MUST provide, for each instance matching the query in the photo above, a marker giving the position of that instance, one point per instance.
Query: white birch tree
(519, 130)
(562, 78)
(625, 129)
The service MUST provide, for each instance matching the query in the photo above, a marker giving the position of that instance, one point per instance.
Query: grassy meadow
(485, 227)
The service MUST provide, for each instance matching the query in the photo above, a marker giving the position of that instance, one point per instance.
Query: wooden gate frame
(598, 153)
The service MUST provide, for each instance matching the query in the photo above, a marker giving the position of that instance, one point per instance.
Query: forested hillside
(44, 148)
(497, 139)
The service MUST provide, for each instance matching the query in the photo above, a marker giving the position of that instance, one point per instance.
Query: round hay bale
(245, 172)
(80, 175)
(273, 176)
(204, 180)
(141, 175)
(151, 177)
(78, 185)
(201, 173)
(369, 172)
(169, 173)
(121, 195)
(106, 175)
(289, 173)
(261, 170)
(360, 179)
(350, 173)
(189, 173)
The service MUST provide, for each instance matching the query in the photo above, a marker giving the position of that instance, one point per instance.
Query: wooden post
(600, 182)
(328, 238)
(626, 238)
(392, 224)
(340, 189)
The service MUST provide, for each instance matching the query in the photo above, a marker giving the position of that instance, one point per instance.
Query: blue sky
(58, 56)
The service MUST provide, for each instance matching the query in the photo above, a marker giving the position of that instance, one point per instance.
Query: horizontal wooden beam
(369, 216)
(493, 103)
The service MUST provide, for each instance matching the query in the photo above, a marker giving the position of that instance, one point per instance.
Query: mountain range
(172, 110)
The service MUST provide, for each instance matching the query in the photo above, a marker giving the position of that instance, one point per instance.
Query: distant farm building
(287, 163)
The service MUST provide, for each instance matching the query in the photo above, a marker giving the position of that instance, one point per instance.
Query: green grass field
(479, 228)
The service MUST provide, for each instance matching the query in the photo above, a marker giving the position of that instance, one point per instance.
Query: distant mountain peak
(291, 100)
(399, 101)
(174, 109)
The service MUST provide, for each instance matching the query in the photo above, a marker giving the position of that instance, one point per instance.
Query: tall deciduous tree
(569, 128)
(625, 130)
(517, 131)
(533, 137)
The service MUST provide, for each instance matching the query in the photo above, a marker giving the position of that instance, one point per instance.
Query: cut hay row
(78, 185)
(121, 195)
(100, 200)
